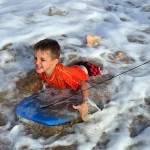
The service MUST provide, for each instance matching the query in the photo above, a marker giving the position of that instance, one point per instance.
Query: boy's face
(43, 62)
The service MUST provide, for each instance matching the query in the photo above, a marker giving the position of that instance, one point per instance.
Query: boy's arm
(84, 87)
(83, 107)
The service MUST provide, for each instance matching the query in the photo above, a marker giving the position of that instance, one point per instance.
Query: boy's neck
(49, 73)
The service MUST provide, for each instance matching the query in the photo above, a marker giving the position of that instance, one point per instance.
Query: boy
(46, 60)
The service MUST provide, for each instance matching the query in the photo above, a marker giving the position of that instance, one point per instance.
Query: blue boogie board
(60, 110)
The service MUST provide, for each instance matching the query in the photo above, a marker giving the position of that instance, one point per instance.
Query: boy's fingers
(75, 107)
(83, 112)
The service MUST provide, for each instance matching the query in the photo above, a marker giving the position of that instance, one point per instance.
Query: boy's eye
(35, 58)
(42, 59)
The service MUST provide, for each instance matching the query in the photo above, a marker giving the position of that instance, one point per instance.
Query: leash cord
(66, 99)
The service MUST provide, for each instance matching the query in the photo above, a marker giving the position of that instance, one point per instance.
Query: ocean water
(124, 121)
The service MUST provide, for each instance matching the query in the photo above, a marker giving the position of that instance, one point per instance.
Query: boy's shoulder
(61, 69)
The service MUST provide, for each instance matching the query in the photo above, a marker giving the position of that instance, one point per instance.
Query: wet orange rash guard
(63, 76)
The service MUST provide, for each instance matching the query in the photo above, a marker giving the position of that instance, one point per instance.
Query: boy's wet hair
(49, 45)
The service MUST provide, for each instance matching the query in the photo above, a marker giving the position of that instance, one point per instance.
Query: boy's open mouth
(38, 67)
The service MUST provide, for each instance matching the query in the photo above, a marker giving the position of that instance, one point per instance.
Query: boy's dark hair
(49, 45)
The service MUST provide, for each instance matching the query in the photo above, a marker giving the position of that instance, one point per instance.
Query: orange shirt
(63, 76)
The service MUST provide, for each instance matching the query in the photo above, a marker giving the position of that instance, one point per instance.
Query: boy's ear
(55, 61)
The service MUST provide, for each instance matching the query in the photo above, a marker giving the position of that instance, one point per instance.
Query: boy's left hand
(83, 110)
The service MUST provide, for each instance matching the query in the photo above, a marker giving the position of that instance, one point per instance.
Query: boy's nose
(36, 62)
